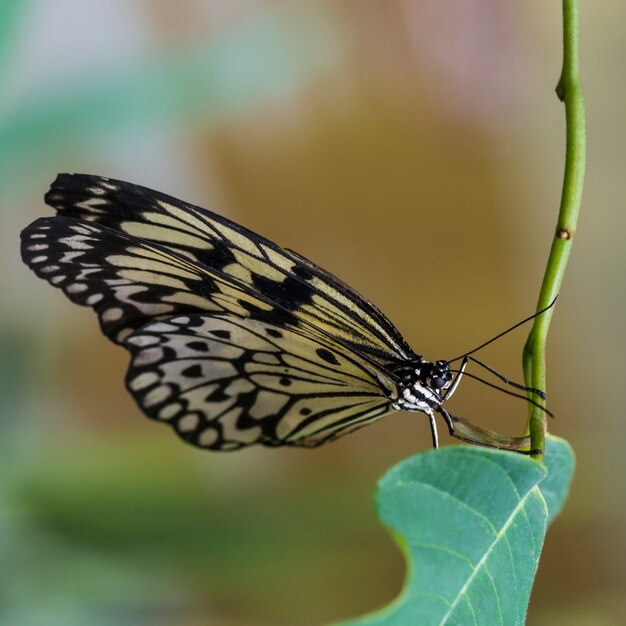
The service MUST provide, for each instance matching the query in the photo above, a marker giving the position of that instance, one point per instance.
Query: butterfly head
(437, 376)
(422, 385)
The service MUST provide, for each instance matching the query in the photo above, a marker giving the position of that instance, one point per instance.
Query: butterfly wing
(224, 382)
(285, 278)
(129, 281)
(233, 340)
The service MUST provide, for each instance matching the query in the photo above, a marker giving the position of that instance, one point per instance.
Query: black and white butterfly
(233, 339)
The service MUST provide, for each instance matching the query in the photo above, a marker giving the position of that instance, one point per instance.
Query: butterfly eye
(437, 382)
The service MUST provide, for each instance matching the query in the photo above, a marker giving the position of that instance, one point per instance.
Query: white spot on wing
(188, 423)
(91, 203)
(76, 287)
(68, 257)
(155, 308)
(144, 380)
(208, 437)
(94, 298)
(143, 340)
(76, 242)
(162, 327)
(82, 230)
(151, 355)
(157, 395)
(169, 410)
(112, 315)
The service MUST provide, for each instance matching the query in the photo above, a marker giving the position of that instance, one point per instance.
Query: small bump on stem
(564, 233)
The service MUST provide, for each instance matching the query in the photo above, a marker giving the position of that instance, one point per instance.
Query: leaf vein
(501, 533)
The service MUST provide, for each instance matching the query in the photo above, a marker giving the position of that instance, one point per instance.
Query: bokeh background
(412, 147)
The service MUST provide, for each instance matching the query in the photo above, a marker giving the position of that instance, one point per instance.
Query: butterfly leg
(433, 428)
(464, 430)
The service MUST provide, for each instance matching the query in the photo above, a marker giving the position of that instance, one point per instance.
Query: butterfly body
(233, 340)
(423, 385)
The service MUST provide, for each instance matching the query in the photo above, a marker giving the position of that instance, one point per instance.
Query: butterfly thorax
(421, 385)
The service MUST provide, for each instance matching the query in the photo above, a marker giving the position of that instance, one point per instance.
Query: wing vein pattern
(233, 340)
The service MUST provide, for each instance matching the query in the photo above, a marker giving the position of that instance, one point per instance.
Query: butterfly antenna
(507, 331)
(510, 393)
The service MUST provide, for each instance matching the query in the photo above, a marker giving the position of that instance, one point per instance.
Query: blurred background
(412, 147)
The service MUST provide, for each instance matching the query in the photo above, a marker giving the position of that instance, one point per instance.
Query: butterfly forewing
(130, 281)
(285, 278)
(224, 382)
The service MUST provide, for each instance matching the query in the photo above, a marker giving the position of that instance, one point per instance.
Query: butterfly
(233, 340)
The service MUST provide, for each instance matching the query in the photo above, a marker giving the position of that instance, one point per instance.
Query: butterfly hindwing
(287, 279)
(224, 382)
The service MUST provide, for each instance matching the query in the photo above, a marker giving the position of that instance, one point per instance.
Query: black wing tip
(67, 189)
(65, 180)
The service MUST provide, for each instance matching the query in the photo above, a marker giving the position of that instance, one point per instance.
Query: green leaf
(559, 459)
(471, 523)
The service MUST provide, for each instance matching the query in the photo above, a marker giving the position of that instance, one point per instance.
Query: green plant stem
(569, 91)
